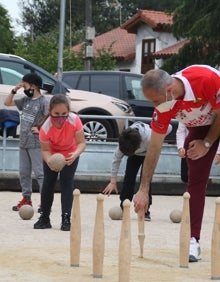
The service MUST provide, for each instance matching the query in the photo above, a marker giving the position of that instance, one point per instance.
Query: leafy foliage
(7, 42)
(198, 20)
(40, 16)
(43, 51)
(104, 60)
(108, 15)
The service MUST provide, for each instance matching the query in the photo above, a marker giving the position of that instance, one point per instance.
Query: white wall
(163, 40)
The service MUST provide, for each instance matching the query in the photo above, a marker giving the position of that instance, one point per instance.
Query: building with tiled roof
(155, 19)
(141, 43)
(170, 51)
(121, 43)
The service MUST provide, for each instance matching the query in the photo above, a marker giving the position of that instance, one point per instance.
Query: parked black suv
(122, 85)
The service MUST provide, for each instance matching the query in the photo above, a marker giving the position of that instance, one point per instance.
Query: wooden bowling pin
(98, 239)
(125, 244)
(184, 233)
(75, 230)
(141, 234)
(215, 247)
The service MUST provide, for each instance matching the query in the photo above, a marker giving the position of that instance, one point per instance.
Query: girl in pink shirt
(62, 132)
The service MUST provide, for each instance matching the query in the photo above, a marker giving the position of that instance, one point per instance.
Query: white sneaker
(194, 250)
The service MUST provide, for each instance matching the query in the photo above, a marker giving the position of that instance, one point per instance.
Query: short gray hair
(157, 80)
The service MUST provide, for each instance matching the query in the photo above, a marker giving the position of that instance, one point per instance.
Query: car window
(83, 83)
(133, 87)
(106, 84)
(20, 68)
(10, 77)
(71, 80)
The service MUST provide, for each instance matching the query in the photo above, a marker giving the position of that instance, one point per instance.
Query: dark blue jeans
(66, 186)
(128, 188)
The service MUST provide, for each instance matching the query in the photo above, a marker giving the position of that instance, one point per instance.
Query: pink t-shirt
(62, 140)
(202, 96)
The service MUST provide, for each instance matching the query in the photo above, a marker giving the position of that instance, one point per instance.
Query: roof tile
(171, 50)
(155, 19)
(121, 42)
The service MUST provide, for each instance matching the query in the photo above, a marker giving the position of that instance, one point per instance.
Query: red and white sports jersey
(202, 97)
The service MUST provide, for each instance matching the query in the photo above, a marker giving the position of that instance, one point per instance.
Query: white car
(93, 105)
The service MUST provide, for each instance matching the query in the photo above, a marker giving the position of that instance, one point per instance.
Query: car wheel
(97, 130)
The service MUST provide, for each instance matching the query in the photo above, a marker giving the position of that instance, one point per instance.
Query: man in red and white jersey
(192, 96)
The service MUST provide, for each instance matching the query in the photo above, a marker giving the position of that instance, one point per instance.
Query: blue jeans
(66, 186)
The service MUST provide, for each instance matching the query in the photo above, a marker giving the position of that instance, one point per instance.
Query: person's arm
(217, 156)
(197, 148)
(141, 200)
(81, 145)
(214, 131)
(116, 161)
(181, 134)
(9, 100)
(45, 150)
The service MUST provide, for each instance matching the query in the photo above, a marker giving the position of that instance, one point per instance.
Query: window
(11, 71)
(71, 80)
(10, 77)
(106, 84)
(83, 83)
(133, 87)
(148, 48)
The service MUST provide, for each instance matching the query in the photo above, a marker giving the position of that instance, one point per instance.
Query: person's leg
(47, 193)
(132, 166)
(47, 197)
(198, 176)
(37, 165)
(184, 170)
(67, 187)
(25, 171)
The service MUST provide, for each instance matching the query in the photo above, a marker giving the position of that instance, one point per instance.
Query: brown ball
(176, 216)
(57, 161)
(115, 213)
(26, 212)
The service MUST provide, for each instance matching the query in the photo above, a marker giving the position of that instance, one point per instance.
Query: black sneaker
(65, 225)
(147, 216)
(42, 223)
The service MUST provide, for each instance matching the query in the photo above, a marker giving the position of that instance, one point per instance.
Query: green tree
(199, 21)
(104, 59)
(106, 14)
(75, 60)
(39, 16)
(42, 51)
(7, 41)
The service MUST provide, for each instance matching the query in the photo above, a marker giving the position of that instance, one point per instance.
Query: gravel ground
(44, 255)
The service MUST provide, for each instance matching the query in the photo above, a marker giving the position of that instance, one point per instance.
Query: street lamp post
(61, 40)
(90, 34)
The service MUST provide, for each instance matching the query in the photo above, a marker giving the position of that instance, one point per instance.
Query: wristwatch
(13, 92)
(207, 144)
